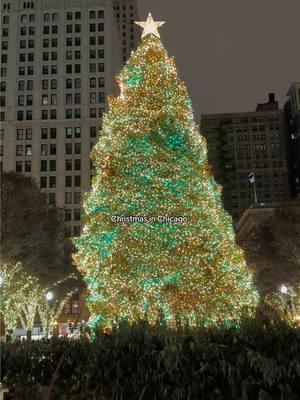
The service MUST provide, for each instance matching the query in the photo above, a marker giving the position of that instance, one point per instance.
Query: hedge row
(260, 360)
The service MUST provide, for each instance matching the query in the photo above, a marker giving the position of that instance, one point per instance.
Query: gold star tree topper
(150, 26)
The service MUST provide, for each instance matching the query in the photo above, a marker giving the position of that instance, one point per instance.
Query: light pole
(49, 296)
(285, 292)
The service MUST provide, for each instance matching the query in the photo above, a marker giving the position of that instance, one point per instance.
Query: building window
(19, 134)
(92, 112)
(19, 150)
(19, 166)
(68, 165)
(44, 149)
(77, 98)
(93, 131)
(28, 134)
(27, 166)
(28, 150)
(77, 214)
(92, 82)
(52, 149)
(46, 17)
(53, 114)
(68, 215)
(77, 113)
(44, 114)
(77, 83)
(30, 85)
(21, 100)
(77, 198)
(53, 84)
(77, 165)
(43, 182)
(43, 165)
(44, 133)
(68, 198)
(68, 148)
(54, 29)
(45, 84)
(93, 97)
(52, 133)
(68, 181)
(68, 113)
(68, 133)
(77, 148)
(20, 116)
(101, 97)
(69, 84)
(52, 181)
(77, 180)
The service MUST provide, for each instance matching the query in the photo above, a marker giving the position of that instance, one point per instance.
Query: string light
(151, 160)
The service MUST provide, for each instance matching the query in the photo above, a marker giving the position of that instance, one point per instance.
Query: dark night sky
(231, 53)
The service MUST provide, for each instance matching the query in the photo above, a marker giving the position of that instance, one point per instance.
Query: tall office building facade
(292, 134)
(58, 63)
(126, 13)
(243, 143)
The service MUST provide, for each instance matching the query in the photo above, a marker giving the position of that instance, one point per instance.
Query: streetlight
(49, 296)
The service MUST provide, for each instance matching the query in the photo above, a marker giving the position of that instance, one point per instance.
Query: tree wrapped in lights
(20, 293)
(151, 161)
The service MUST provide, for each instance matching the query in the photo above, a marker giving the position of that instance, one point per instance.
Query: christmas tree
(156, 241)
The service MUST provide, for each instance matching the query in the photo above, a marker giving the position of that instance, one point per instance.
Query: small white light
(283, 289)
(1, 280)
(49, 296)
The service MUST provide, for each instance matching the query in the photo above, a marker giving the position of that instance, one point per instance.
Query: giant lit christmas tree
(151, 161)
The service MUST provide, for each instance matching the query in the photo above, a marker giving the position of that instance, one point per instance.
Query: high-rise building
(243, 143)
(292, 134)
(126, 13)
(58, 63)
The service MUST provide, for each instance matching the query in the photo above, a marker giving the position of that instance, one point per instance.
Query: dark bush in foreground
(261, 361)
